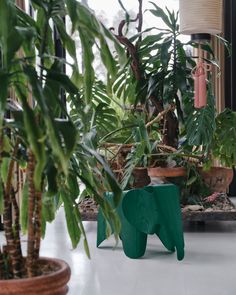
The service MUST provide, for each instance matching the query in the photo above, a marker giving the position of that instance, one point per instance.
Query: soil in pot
(52, 283)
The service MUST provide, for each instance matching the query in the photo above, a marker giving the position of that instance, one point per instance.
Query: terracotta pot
(166, 172)
(217, 178)
(141, 177)
(54, 283)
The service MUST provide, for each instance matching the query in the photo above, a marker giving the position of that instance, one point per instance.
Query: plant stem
(140, 21)
(11, 168)
(38, 225)
(2, 268)
(34, 220)
(160, 116)
(17, 231)
(10, 238)
(13, 245)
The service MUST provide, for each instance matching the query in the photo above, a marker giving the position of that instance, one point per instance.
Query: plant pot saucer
(221, 211)
(209, 216)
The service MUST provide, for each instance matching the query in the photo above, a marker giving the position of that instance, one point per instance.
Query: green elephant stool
(150, 210)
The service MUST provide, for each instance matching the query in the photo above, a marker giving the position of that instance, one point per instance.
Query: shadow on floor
(210, 227)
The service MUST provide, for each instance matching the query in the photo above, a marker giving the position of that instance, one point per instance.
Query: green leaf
(72, 10)
(224, 140)
(68, 136)
(200, 124)
(71, 220)
(87, 42)
(24, 208)
(68, 42)
(1, 200)
(61, 147)
(43, 225)
(107, 58)
(79, 220)
(73, 186)
(4, 169)
(48, 208)
(86, 248)
(34, 136)
(160, 13)
(151, 39)
(165, 53)
(4, 80)
(191, 180)
(110, 176)
(51, 173)
(61, 79)
(226, 43)
(7, 23)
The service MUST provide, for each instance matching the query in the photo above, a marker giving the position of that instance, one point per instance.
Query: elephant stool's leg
(134, 242)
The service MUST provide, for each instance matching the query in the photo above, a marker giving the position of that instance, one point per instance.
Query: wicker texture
(201, 16)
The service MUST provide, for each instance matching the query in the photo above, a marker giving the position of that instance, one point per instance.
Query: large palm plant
(40, 135)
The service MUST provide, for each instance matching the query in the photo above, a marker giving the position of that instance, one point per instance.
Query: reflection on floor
(209, 267)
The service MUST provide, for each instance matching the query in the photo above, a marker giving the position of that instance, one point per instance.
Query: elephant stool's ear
(139, 208)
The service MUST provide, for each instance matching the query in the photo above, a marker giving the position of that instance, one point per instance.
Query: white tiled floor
(209, 267)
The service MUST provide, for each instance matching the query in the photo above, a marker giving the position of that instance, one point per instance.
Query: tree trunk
(2, 268)
(169, 125)
(34, 220)
(31, 272)
(170, 130)
(15, 256)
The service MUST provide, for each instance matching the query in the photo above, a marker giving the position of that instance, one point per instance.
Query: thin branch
(132, 50)
(161, 115)
(166, 147)
(140, 19)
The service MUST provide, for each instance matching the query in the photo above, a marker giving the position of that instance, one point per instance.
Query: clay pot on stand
(217, 178)
(167, 171)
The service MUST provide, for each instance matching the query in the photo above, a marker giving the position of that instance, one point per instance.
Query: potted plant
(150, 89)
(158, 84)
(44, 152)
(221, 149)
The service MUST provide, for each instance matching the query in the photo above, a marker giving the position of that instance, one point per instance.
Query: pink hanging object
(196, 90)
(200, 87)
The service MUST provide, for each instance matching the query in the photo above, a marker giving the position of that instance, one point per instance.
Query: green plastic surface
(150, 210)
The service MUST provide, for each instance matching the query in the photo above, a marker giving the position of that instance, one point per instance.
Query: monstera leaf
(200, 124)
(224, 140)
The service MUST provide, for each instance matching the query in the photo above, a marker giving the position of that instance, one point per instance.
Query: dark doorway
(230, 66)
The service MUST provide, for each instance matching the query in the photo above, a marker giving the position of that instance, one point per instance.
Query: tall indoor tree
(57, 152)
